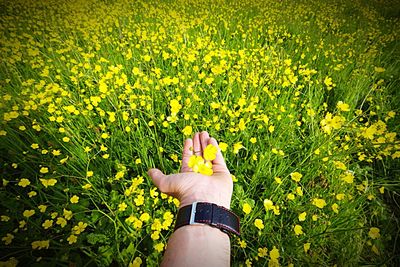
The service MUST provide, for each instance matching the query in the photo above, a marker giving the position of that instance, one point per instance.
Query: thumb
(159, 179)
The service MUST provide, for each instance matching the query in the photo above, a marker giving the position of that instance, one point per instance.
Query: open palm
(188, 186)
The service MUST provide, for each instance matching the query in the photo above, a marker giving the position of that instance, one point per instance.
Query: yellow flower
(159, 247)
(246, 208)
(374, 232)
(199, 166)
(340, 196)
(343, 106)
(79, 228)
(72, 239)
(44, 170)
(175, 106)
(155, 235)
(340, 165)
(299, 191)
(271, 128)
(48, 182)
(290, 196)
(89, 174)
(379, 69)
(262, 252)
(335, 208)
(259, 224)
(42, 208)
(146, 58)
(187, 130)
(296, 176)
(302, 216)
(328, 81)
(329, 123)
(74, 199)
(298, 229)
(144, 217)
(86, 186)
(268, 204)
(61, 221)
(4, 218)
(111, 116)
(236, 147)
(66, 139)
(122, 206)
(375, 250)
(274, 253)
(382, 190)
(242, 244)
(24, 182)
(67, 214)
(32, 194)
(40, 244)
(347, 177)
(35, 146)
(209, 80)
(7, 240)
(206, 169)
(28, 213)
(253, 140)
(319, 202)
(306, 247)
(223, 146)
(47, 224)
(210, 152)
(234, 178)
(136, 262)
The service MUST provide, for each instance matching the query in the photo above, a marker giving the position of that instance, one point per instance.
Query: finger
(160, 180)
(219, 165)
(196, 145)
(204, 137)
(186, 154)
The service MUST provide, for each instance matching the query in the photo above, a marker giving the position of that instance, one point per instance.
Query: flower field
(302, 96)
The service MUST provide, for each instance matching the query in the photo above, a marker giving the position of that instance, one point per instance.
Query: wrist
(226, 203)
(220, 200)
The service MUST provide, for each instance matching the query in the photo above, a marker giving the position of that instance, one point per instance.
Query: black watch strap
(208, 213)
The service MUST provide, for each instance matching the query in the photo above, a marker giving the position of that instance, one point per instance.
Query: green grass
(279, 66)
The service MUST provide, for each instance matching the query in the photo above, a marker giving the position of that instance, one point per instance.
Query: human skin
(199, 244)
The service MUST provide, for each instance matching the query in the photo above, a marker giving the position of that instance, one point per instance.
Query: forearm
(197, 245)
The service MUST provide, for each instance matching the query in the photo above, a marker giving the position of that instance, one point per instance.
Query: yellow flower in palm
(210, 152)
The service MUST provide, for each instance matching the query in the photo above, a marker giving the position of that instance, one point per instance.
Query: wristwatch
(211, 214)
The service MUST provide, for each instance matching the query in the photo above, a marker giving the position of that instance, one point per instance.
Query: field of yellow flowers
(301, 95)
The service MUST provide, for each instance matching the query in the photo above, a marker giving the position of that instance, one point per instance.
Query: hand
(190, 187)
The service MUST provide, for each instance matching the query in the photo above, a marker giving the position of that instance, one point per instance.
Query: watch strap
(208, 213)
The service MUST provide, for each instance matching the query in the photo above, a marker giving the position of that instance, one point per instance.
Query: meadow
(302, 96)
